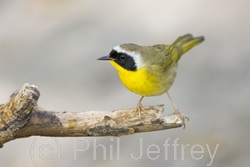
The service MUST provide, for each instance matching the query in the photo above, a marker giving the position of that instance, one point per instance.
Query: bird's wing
(165, 56)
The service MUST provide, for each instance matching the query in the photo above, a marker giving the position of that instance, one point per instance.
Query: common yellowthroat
(150, 70)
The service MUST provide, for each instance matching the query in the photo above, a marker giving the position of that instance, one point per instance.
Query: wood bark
(22, 117)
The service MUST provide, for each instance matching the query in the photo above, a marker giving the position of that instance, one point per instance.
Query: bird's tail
(186, 42)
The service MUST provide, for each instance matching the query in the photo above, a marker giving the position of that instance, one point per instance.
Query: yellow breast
(145, 83)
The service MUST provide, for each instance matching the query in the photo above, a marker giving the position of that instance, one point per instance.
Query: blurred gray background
(54, 45)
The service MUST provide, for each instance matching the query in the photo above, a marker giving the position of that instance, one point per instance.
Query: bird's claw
(139, 109)
(182, 116)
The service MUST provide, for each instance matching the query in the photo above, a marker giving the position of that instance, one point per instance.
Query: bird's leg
(140, 107)
(177, 112)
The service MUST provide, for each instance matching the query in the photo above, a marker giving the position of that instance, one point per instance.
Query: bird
(150, 70)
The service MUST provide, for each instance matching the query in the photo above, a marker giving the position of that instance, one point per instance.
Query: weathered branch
(22, 117)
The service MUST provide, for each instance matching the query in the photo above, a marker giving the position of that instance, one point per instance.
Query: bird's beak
(105, 58)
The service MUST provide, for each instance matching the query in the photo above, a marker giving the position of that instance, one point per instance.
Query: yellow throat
(144, 83)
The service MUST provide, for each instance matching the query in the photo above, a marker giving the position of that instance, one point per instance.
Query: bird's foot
(182, 116)
(139, 108)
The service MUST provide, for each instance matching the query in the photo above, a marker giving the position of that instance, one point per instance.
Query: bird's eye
(122, 57)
